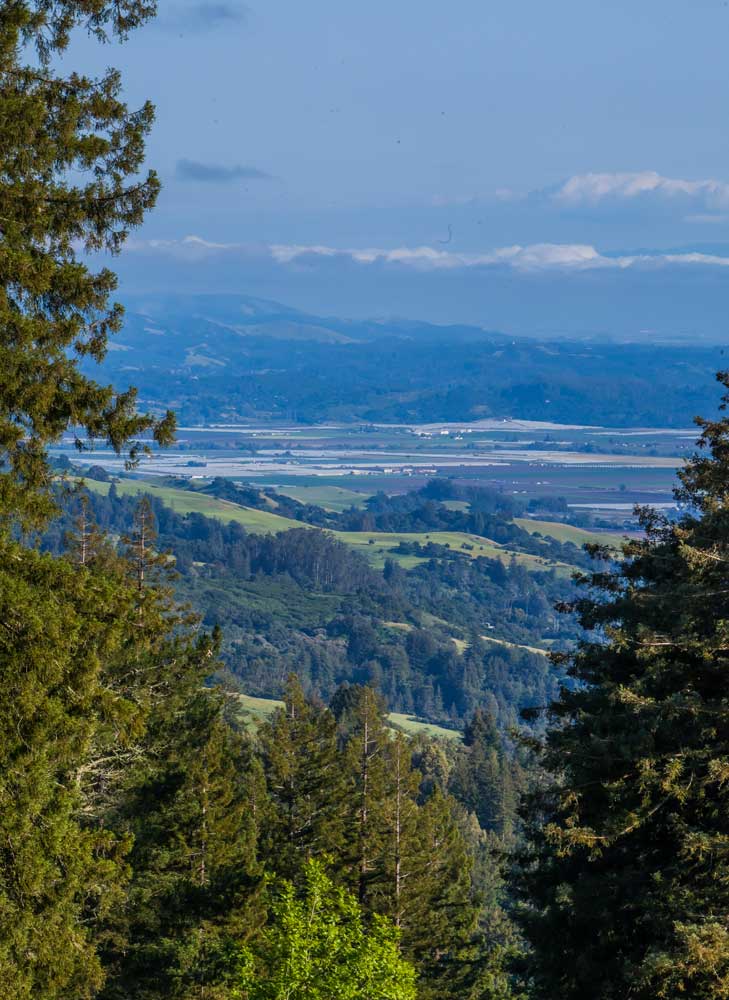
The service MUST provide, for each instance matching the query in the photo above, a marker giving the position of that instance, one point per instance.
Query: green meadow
(568, 533)
(375, 546)
(333, 498)
(189, 502)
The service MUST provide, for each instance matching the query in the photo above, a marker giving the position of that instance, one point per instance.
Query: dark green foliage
(191, 807)
(305, 784)
(185, 800)
(366, 764)
(485, 779)
(61, 727)
(300, 602)
(71, 151)
(406, 857)
(399, 372)
(625, 886)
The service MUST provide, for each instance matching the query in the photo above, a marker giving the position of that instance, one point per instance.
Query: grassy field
(515, 645)
(329, 497)
(416, 727)
(257, 710)
(188, 502)
(374, 545)
(461, 644)
(568, 533)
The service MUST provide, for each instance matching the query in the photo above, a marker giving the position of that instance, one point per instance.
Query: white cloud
(538, 255)
(593, 188)
(534, 257)
(546, 255)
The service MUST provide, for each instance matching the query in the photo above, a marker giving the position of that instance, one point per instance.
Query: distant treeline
(408, 373)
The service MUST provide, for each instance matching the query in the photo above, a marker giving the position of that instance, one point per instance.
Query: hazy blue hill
(237, 357)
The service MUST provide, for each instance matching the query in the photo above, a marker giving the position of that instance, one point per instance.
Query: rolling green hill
(569, 533)
(190, 502)
(329, 497)
(375, 546)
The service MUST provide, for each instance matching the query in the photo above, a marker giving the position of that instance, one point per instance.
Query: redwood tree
(625, 889)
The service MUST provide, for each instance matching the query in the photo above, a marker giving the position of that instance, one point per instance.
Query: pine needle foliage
(625, 889)
(71, 152)
(60, 871)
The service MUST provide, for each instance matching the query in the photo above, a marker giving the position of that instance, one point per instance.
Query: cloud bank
(573, 257)
(593, 188)
(539, 289)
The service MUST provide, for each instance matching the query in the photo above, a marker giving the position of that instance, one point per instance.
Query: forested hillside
(235, 358)
(449, 635)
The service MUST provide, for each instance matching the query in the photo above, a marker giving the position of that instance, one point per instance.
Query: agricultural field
(337, 465)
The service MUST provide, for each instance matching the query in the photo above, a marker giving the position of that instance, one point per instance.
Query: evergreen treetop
(70, 155)
(625, 885)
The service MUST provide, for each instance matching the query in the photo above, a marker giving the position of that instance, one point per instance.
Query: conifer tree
(194, 876)
(304, 782)
(483, 778)
(365, 763)
(70, 153)
(86, 540)
(408, 860)
(440, 935)
(625, 889)
(183, 797)
(60, 871)
(401, 822)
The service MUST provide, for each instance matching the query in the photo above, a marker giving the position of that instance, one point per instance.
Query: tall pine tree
(187, 798)
(70, 156)
(60, 871)
(407, 858)
(304, 782)
(625, 889)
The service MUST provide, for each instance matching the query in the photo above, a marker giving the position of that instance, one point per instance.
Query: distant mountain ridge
(238, 357)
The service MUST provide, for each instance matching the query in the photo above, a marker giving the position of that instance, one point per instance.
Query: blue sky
(472, 135)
